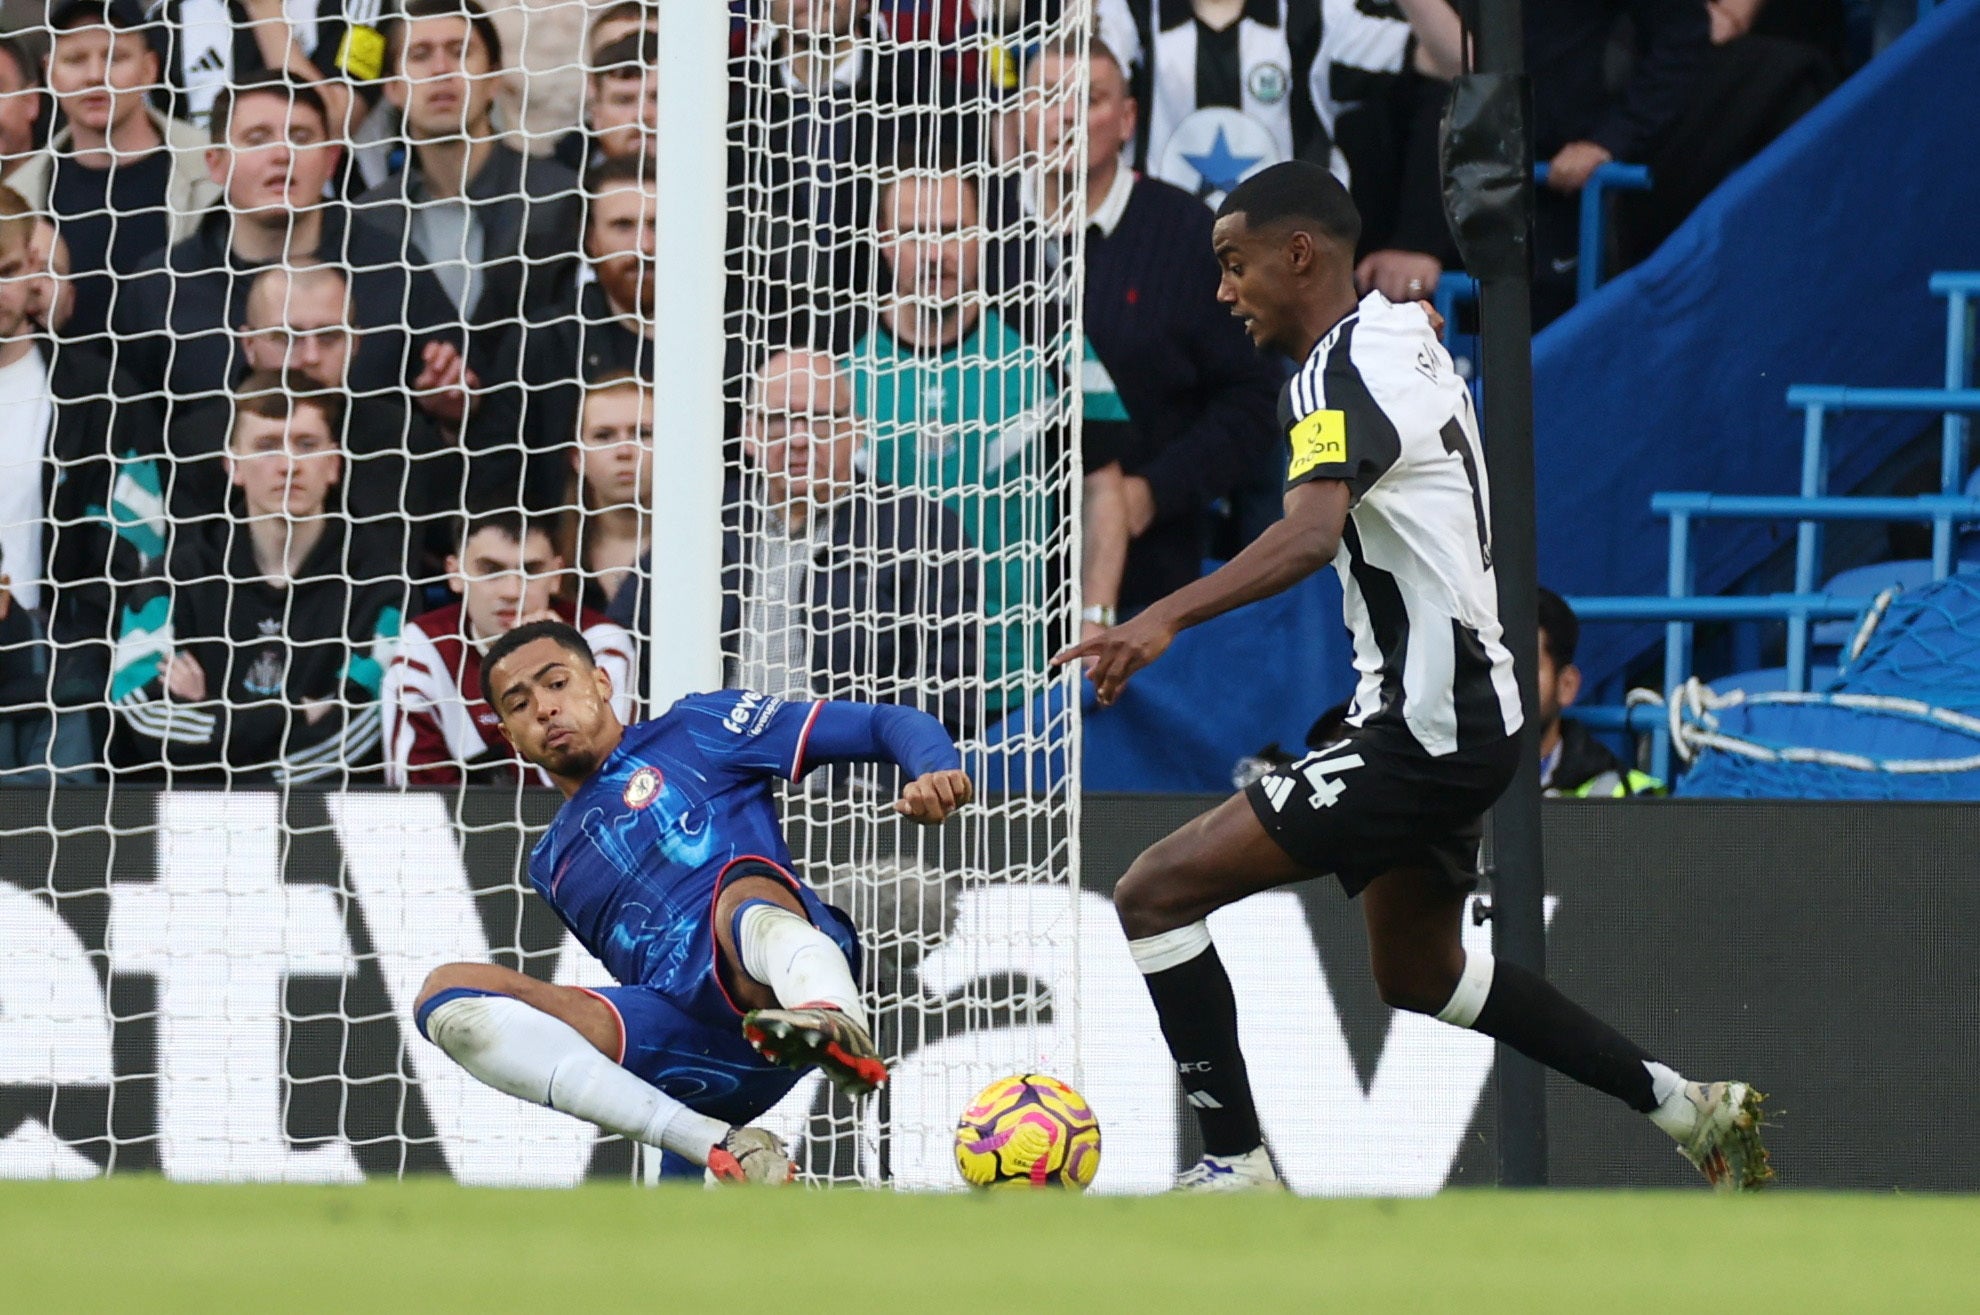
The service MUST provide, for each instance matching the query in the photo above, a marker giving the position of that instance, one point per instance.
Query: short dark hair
(28, 67)
(646, 11)
(394, 27)
(1560, 628)
(628, 56)
(1296, 189)
(619, 171)
(270, 82)
(567, 637)
(279, 394)
(510, 523)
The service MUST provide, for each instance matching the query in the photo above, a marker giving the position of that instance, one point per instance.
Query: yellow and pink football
(1028, 1131)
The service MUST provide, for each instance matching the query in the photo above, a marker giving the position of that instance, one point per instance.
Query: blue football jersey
(632, 861)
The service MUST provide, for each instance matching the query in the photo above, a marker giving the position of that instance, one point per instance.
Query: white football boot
(750, 1155)
(1250, 1172)
(1722, 1133)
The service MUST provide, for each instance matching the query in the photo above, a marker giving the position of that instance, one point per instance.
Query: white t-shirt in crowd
(25, 412)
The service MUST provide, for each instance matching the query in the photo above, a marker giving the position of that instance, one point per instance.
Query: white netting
(312, 382)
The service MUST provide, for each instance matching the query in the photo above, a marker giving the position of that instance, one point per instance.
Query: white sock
(527, 1053)
(1169, 949)
(1468, 998)
(799, 963)
(1675, 1113)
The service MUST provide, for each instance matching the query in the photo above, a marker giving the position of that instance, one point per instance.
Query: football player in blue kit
(668, 862)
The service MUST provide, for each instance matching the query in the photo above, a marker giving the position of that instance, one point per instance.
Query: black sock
(1527, 1013)
(1199, 1021)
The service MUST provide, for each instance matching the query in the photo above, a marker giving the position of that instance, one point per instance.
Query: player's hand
(1120, 652)
(1574, 164)
(931, 798)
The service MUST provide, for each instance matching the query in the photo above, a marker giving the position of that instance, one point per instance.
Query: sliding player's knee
(448, 977)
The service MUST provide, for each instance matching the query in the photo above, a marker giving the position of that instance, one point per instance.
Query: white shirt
(25, 413)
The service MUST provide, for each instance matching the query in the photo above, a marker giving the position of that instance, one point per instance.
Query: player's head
(554, 703)
(507, 568)
(1285, 240)
(799, 428)
(1557, 678)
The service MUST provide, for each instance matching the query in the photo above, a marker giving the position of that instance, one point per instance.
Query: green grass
(142, 1245)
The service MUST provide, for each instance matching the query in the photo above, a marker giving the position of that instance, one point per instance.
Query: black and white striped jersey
(1379, 406)
(1218, 106)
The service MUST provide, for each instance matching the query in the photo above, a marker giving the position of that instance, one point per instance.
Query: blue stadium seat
(1769, 680)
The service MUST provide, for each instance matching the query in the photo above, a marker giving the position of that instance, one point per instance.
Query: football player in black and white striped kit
(1385, 480)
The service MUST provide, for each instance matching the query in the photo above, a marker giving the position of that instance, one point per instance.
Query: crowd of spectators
(315, 376)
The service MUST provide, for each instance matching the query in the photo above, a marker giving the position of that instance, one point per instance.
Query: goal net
(328, 353)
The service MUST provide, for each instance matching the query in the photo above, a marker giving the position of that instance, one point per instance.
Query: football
(1028, 1131)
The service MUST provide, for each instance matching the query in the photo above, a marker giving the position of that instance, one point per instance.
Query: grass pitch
(145, 1246)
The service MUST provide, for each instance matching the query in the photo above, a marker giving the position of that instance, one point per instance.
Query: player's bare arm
(1293, 548)
(930, 799)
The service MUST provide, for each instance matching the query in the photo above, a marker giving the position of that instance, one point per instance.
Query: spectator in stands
(495, 223)
(822, 88)
(438, 731)
(78, 513)
(834, 585)
(20, 106)
(260, 654)
(1573, 762)
(609, 500)
(273, 155)
(214, 45)
(404, 482)
(955, 399)
(622, 99)
(50, 298)
(576, 149)
(1579, 125)
(121, 179)
(603, 326)
(1228, 87)
(1200, 400)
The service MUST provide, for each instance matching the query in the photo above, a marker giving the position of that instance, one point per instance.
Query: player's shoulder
(733, 714)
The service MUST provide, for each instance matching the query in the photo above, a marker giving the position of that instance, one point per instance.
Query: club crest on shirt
(1268, 83)
(643, 788)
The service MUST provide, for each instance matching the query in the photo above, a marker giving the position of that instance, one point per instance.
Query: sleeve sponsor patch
(1318, 440)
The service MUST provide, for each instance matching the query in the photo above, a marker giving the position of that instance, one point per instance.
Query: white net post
(684, 586)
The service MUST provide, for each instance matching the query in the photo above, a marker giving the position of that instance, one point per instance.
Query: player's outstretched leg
(804, 1007)
(1162, 902)
(1416, 948)
(552, 1046)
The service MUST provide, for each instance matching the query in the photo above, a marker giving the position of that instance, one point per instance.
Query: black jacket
(267, 652)
(174, 317)
(100, 486)
(893, 613)
(529, 214)
(1567, 43)
(521, 434)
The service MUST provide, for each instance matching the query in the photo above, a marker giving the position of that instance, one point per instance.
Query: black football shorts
(1375, 800)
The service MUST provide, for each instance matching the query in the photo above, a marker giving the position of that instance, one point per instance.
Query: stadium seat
(1769, 680)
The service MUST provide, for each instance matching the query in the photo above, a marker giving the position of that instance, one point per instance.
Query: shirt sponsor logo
(750, 716)
(643, 788)
(1319, 440)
